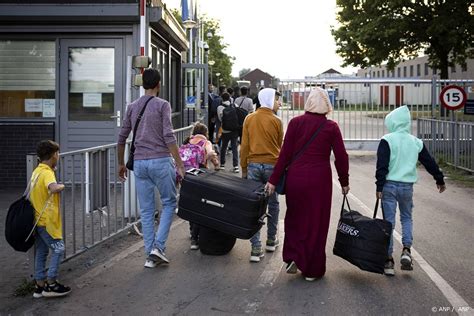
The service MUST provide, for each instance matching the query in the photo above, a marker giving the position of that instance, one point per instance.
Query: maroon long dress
(309, 189)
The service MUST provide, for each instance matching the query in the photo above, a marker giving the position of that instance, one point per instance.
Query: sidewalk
(197, 284)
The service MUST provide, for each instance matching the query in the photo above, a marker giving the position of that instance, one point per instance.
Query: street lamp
(211, 63)
(189, 25)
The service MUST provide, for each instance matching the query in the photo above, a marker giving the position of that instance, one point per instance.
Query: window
(426, 69)
(27, 79)
(378, 73)
(411, 70)
(434, 71)
(383, 73)
(404, 71)
(464, 68)
(399, 72)
(453, 69)
(373, 74)
(418, 70)
(91, 83)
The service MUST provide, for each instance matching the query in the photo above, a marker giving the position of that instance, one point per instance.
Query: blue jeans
(261, 172)
(159, 173)
(402, 193)
(43, 243)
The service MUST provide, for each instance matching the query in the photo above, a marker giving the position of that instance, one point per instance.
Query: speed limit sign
(453, 97)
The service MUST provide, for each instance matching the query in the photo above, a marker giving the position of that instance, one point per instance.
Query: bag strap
(30, 187)
(306, 145)
(139, 118)
(377, 208)
(243, 99)
(344, 201)
(48, 201)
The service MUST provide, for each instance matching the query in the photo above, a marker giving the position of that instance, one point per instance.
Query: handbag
(361, 240)
(132, 148)
(280, 188)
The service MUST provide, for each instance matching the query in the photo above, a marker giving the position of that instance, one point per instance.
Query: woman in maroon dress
(309, 185)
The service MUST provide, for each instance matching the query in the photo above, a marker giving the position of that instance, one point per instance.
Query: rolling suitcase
(223, 202)
(215, 243)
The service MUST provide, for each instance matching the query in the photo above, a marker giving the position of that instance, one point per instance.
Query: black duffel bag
(361, 240)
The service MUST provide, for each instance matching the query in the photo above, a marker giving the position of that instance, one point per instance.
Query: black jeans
(194, 228)
(232, 138)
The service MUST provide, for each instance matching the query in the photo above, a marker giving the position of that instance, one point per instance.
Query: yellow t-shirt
(51, 218)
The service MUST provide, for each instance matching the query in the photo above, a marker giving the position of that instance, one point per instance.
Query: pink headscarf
(318, 102)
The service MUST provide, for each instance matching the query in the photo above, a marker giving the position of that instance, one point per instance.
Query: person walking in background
(215, 104)
(397, 155)
(262, 137)
(230, 91)
(44, 197)
(212, 116)
(155, 148)
(309, 184)
(244, 101)
(228, 135)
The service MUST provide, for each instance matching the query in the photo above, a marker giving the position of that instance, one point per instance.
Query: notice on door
(92, 100)
(33, 105)
(49, 108)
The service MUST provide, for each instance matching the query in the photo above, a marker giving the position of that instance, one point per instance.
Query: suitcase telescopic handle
(213, 203)
(195, 171)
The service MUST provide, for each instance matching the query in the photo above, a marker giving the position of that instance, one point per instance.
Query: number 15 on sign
(453, 97)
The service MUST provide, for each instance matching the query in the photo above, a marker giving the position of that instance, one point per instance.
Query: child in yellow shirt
(44, 197)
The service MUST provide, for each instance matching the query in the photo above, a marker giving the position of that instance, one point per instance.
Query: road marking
(274, 265)
(87, 277)
(270, 273)
(458, 304)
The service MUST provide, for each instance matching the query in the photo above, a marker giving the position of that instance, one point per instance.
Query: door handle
(117, 117)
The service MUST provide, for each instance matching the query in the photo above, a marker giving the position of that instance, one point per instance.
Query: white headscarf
(318, 102)
(267, 98)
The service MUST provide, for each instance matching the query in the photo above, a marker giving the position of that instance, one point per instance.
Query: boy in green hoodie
(397, 155)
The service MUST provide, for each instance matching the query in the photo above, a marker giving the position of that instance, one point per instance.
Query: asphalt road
(195, 284)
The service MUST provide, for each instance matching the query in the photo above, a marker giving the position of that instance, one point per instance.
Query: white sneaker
(158, 256)
(310, 279)
(256, 254)
(149, 264)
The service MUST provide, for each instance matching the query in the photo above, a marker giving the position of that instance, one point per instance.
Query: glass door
(91, 92)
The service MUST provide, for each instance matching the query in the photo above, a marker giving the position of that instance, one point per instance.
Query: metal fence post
(31, 163)
(434, 99)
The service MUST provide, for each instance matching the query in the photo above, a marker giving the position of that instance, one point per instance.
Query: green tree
(217, 46)
(375, 31)
(244, 71)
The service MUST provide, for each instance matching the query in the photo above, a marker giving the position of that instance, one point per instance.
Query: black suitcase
(215, 243)
(223, 202)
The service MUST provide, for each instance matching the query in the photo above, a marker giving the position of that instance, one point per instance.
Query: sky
(287, 39)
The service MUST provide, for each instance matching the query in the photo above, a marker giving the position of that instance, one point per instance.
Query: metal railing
(360, 104)
(449, 141)
(95, 204)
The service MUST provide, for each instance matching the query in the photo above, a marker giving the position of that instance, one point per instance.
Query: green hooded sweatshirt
(404, 147)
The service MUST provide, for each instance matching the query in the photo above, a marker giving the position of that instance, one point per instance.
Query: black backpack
(241, 114)
(230, 119)
(20, 222)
